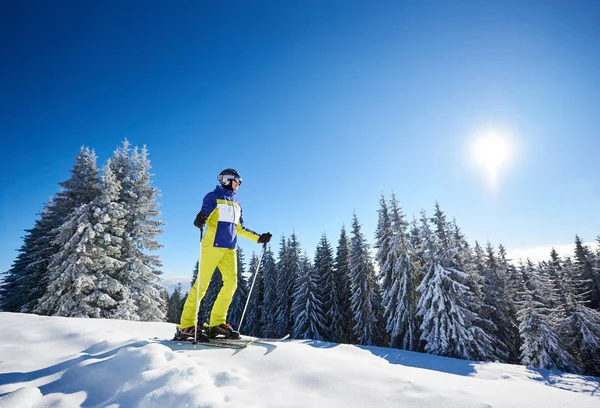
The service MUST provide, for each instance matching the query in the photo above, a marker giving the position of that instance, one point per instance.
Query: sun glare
(492, 153)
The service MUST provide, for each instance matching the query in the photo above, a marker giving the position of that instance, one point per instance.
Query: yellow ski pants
(211, 258)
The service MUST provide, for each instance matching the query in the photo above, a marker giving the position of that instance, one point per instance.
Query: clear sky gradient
(321, 106)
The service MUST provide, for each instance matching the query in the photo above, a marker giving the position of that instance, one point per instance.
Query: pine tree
(508, 334)
(144, 229)
(447, 327)
(399, 294)
(307, 308)
(584, 262)
(241, 294)
(26, 282)
(328, 292)
(496, 300)
(579, 325)
(269, 306)
(341, 272)
(540, 346)
(283, 284)
(138, 197)
(175, 305)
(84, 275)
(252, 323)
(287, 279)
(384, 236)
(365, 301)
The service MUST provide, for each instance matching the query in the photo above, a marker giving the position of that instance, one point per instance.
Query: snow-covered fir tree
(584, 262)
(341, 272)
(445, 303)
(252, 323)
(578, 325)
(307, 308)
(143, 229)
(269, 272)
(27, 281)
(400, 294)
(175, 305)
(283, 279)
(328, 292)
(288, 270)
(497, 308)
(540, 345)
(241, 293)
(365, 301)
(138, 197)
(508, 334)
(84, 277)
(383, 243)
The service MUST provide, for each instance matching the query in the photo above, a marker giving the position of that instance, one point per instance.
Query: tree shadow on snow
(92, 353)
(427, 361)
(571, 382)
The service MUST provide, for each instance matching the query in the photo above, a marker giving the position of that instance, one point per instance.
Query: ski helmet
(227, 175)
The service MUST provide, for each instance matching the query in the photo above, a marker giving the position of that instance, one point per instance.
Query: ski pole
(252, 286)
(198, 291)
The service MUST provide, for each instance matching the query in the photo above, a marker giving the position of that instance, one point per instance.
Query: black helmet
(227, 175)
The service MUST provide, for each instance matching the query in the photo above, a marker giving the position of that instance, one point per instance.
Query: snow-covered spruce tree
(383, 243)
(447, 328)
(28, 276)
(283, 279)
(252, 324)
(241, 293)
(285, 286)
(175, 305)
(365, 301)
(84, 275)
(138, 197)
(143, 267)
(509, 334)
(17, 285)
(327, 291)
(269, 306)
(584, 262)
(497, 309)
(579, 327)
(400, 295)
(540, 345)
(341, 272)
(307, 308)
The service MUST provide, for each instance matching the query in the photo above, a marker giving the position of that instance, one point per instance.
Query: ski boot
(223, 331)
(188, 334)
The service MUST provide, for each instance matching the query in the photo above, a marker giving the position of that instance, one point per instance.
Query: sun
(492, 152)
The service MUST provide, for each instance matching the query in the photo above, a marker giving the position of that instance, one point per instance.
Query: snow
(72, 362)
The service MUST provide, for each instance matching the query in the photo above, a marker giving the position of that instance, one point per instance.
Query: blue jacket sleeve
(209, 203)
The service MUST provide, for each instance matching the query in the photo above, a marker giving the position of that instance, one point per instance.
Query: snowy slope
(65, 362)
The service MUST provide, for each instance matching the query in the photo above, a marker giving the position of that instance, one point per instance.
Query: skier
(222, 215)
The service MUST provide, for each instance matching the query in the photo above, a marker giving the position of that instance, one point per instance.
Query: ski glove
(264, 238)
(200, 220)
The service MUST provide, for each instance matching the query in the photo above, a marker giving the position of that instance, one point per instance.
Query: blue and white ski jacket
(225, 220)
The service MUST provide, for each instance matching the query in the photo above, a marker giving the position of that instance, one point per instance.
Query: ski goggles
(237, 179)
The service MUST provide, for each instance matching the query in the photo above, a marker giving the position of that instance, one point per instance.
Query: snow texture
(72, 362)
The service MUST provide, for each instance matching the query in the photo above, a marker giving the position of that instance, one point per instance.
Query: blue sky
(321, 106)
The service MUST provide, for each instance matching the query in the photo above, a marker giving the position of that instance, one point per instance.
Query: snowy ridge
(69, 362)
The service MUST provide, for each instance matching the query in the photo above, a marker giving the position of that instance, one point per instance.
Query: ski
(244, 341)
(240, 343)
